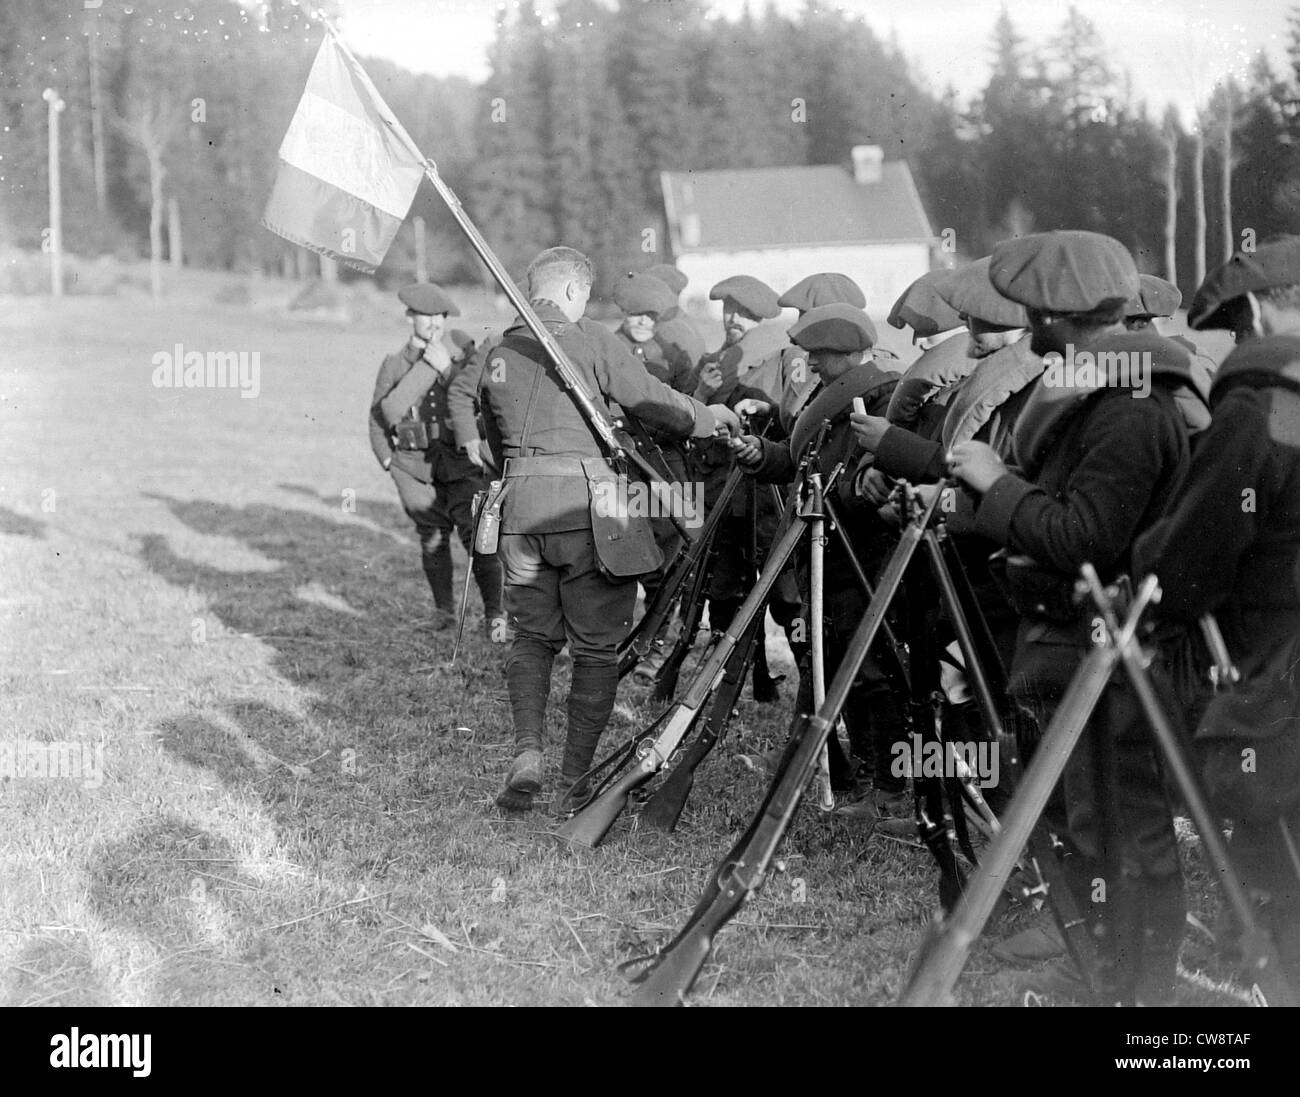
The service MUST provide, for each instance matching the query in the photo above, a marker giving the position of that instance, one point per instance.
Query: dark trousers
(438, 509)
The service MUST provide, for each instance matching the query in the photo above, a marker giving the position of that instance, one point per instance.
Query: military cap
(669, 275)
(1274, 262)
(427, 299)
(969, 292)
(922, 309)
(462, 339)
(643, 293)
(822, 289)
(1064, 271)
(838, 327)
(750, 294)
(1156, 298)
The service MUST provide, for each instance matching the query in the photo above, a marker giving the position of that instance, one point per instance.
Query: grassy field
(296, 799)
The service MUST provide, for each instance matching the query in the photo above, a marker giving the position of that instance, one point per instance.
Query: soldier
(722, 377)
(1160, 299)
(1096, 467)
(673, 326)
(410, 433)
(1244, 485)
(837, 340)
(918, 401)
(565, 579)
(643, 299)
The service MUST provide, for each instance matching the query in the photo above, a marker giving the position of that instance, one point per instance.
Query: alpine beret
(822, 289)
(755, 297)
(639, 294)
(669, 275)
(1274, 262)
(1157, 298)
(426, 299)
(969, 292)
(922, 309)
(838, 327)
(1064, 271)
(462, 339)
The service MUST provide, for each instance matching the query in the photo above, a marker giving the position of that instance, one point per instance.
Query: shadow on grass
(389, 516)
(20, 525)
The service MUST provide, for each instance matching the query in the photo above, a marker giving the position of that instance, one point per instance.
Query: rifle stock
(665, 806)
(939, 965)
(678, 965)
(592, 823)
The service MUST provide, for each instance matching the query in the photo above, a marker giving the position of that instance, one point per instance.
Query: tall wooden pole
(421, 256)
(56, 204)
(1229, 243)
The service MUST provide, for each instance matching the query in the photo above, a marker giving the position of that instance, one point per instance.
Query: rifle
(943, 954)
(638, 642)
(664, 808)
(743, 871)
(981, 657)
(1259, 953)
(665, 682)
(817, 627)
(593, 821)
(611, 433)
(475, 508)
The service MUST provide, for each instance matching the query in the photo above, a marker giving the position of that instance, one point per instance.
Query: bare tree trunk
(175, 245)
(156, 173)
(1229, 242)
(1171, 204)
(329, 269)
(97, 123)
(1198, 201)
(302, 264)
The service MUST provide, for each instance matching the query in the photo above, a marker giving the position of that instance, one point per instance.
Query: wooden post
(1229, 242)
(1198, 200)
(421, 259)
(175, 248)
(56, 202)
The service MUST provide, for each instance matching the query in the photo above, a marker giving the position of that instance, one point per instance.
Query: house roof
(817, 204)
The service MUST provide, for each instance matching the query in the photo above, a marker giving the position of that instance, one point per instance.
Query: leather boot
(528, 679)
(591, 702)
(435, 557)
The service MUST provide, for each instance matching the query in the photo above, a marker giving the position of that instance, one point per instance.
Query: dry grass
(296, 806)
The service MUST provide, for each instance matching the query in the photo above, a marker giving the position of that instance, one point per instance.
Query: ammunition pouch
(625, 546)
(485, 516)
(413, 434)
(1032, 589)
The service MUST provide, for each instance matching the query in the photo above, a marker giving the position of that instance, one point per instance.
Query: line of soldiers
(1054, 472)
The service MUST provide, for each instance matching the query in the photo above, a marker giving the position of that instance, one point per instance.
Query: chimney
(868, 161)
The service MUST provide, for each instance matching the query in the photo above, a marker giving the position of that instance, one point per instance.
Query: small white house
(782, 224)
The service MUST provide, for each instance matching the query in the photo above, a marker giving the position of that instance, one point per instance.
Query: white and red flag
(348, 171)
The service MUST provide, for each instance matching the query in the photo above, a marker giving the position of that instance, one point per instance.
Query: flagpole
(596, 416)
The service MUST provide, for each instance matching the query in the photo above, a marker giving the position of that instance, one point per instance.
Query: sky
(1176, 50)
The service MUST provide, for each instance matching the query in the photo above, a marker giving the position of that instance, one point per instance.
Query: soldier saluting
(570, 566)
(410, 433)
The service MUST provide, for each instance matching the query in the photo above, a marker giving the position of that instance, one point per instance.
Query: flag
(346, 179)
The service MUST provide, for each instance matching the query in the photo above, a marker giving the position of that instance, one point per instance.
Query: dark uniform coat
(554, 588)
